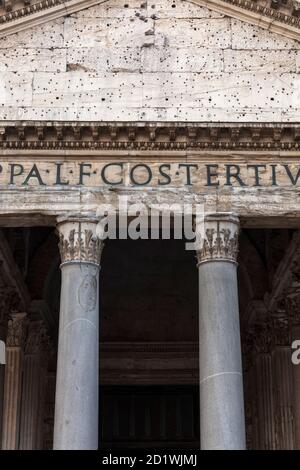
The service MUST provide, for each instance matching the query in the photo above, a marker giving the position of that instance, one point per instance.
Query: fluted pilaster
(13, 381)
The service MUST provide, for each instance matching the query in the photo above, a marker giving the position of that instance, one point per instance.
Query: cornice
(141, 136)
(34, 13)
(279, 16)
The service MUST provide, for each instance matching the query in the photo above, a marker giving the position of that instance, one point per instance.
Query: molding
(148, 136)
(39, 12)
(279, 16)
(138, 363)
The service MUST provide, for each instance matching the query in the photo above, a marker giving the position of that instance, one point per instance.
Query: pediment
(279, 16)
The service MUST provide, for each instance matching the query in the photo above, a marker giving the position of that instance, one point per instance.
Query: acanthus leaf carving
(16, 330)
(77, 245)
(220, 241)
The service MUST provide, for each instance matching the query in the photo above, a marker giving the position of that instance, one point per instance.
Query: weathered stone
(180, 9)
(210, 33)
(131, 62)
(115, 32)
(246, 36)
(260, 61)
(32, 60)
(44, 36)
(183, 59)
(99, 59)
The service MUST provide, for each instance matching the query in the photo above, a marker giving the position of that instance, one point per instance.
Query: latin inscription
(120, 173)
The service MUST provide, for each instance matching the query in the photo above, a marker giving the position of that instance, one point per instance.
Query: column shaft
(76, 405)
(2, 376)
(30, 398)
(295, 333)
(13, 382)
(284, 398)
(33, 393)
(265, 402)
(221, 384)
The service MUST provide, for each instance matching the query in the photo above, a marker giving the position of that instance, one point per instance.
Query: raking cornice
(279, 16)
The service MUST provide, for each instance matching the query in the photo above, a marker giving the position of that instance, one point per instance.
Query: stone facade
(160, 102)
(149, 61)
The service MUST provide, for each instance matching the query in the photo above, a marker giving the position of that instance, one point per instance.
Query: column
(222, 419)
(3, 328)
(76, 403)
(33, 392)
(295, 335)
(13, 380)
(293, 305)
(265, 402)
(282, 376)
(260, 341)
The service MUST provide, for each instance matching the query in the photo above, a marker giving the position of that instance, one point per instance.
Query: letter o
(140, 165)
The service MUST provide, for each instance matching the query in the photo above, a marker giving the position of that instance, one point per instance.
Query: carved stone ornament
(291, 302)
(9, 302)
(220, 239)
(79, 242)
(259, 337)
(37, 338)
(152, 136)
(16, 330)
(280, 329)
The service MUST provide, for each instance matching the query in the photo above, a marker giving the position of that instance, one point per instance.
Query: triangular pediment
(279, 16)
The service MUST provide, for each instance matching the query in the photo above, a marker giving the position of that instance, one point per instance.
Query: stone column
(3, 328)
(222, 419)
(13, 380)
(33, 393)
(76, 404)
(282, 375)
(295, 335)
(293, 306)
(260, 341)
(265, 401)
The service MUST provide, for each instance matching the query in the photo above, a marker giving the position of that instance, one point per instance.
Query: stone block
(46, 36)
(101, 59)
(33, 60)
(193, 32)
(109, 33)
(181, 59)
(247, 36)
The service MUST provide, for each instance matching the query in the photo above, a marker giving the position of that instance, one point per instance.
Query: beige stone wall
(162, 60)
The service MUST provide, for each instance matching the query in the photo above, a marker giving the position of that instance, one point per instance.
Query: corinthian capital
(16, 330)
(79, 241)
(220, 238)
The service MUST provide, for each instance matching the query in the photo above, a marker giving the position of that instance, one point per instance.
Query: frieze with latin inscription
(156, 174)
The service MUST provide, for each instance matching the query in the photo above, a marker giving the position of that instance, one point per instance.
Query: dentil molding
(151, 136)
